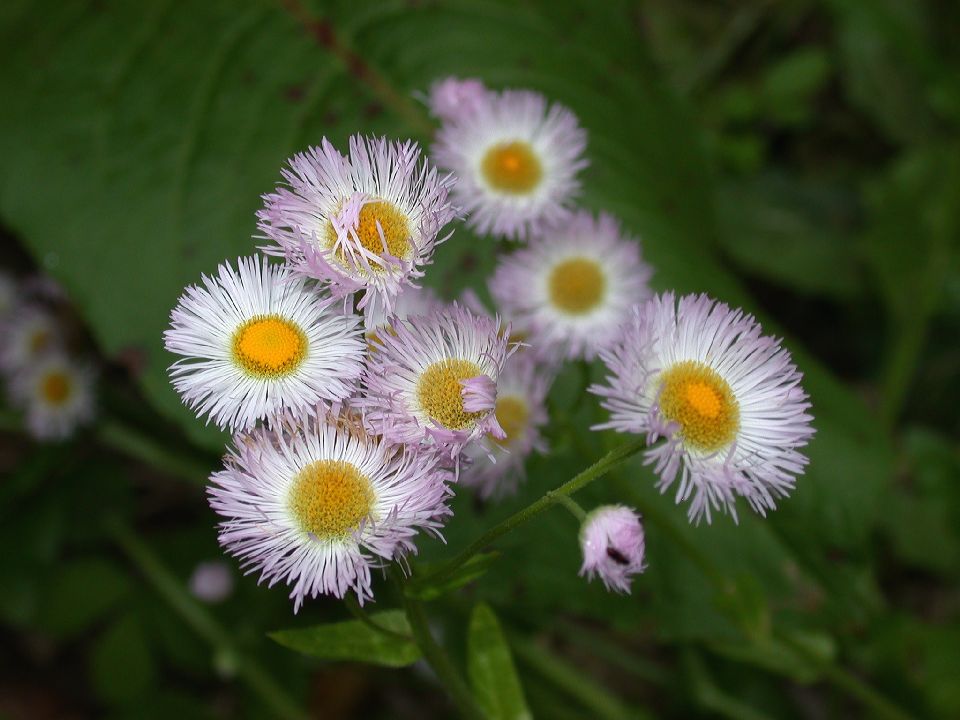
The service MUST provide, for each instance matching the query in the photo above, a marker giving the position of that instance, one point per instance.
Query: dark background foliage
(799, 158)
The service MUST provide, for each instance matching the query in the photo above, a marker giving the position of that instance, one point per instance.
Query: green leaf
(121, 666)
(356, 640)
(82, 592)
(474, 568)
(493, 676)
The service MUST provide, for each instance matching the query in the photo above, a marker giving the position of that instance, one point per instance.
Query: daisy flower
(434, 379)
(497, 466)
(516, 159)
(611, 538)
(318, 508)
(28, 334)
(366, 222)
(726, 398)
(452, 98)
(574, 287)
(256, 340)
(56, 394)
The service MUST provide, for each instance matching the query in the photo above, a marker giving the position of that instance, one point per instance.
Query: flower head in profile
(366, 222)
(497, 465)
(28, 335)
(452, 98)
(56, 394)
(257, 340)
(573, 287)
(517, 160)
(433, 379)
(611, 538)
(726, 399)
(318, 504)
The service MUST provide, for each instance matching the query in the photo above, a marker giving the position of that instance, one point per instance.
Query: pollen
(701, 402)
(55, 388)
(512, 413)
(269, 346)
(330, 498)
(512, 167)
(441, 395)
(577, 285)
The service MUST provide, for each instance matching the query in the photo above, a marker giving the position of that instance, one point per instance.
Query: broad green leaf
(474, 568)
(493, 676)
(356, 640)
(121, 666)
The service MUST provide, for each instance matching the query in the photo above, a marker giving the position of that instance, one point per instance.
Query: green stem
(201, 621)
(570, 504)
(439, 660)
(360, 614)
(123, 438)
(595, 471)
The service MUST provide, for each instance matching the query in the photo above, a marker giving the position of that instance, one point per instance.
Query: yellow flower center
(512, 413)
(375, 217)
(55, 388)
(577, 285)
(441, 394)
(512, 167)
(269, 346)
(330, 498)
(701, 403)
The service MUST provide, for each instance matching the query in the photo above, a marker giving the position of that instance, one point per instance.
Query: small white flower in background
(433, 379)
(319, 507)
(611, 538)
(496, 467)
(516, 159)
(366, 222)
(726, 398)
(211, 581)
(452, 98)
(256, 340)
(56, 394)
(29, 333)
(573, 288)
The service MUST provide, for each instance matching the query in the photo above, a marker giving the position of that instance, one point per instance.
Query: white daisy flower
(29, 334)
(56, 394)
(572, 288)
(726, 398)
(452, 97)
(516, 159)
(496, 466)
(257, 340)
(318, 508)
(368, 222)
(434, 378)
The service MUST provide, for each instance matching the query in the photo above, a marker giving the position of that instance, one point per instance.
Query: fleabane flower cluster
(359, 398)
(47, 378)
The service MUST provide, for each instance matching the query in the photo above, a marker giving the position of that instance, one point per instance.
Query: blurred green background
(799, 158)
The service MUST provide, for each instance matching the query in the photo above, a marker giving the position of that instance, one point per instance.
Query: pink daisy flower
(365, 222)
(726, 399)
(317, 507)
